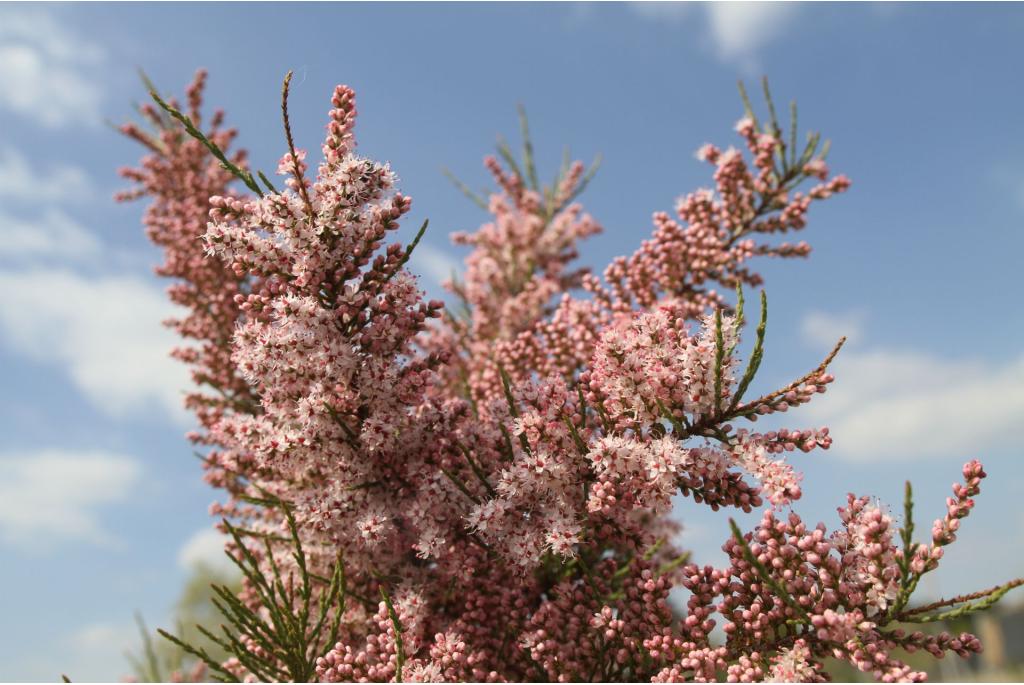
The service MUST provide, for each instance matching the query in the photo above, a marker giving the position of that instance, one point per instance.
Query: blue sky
(101, 505)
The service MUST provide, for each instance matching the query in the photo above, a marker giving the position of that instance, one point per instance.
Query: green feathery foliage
(304, 610)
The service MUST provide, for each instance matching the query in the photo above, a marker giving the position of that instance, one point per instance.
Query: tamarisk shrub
(415, 493)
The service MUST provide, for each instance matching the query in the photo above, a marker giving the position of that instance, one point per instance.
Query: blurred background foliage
(157, 659)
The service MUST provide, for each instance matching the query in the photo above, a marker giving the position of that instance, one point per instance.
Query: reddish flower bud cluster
(718, 232)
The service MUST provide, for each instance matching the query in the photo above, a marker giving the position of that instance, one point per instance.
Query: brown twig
(960, 599)
(765, 399)
(296, 169)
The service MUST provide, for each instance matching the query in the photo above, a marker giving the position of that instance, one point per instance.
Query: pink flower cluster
(180, 176)
(504, 478)
(717, 234)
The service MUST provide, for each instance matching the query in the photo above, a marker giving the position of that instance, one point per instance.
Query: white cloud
(61, 183)
(106, 331)
(205, 549)
(436, 264)
(909, 404)
(825, 329)
(739, 29)
(105, 635)
(90, 653)
(48, 73)
(736, 30)
(42, 31)
(96, 651)
(52, 496)
(662, 10)
(54, 235)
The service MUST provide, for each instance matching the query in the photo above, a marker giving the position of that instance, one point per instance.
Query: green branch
(190, 128)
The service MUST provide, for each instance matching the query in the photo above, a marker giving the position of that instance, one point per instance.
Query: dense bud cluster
(718, 232)
(180, 176)
(486, 495)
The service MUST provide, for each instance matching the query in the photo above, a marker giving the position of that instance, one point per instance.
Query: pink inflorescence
(505, 477)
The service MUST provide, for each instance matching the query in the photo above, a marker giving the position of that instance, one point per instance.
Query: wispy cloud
(39, 229)
(96, 651)
(670, 11)
(53, 496)
(824, 329)
(740, 29)
(47, 72)
(911, 404)
(54, 235)
(104, 331)
(436, 264)
(736, 30)
(19, 182)
(205, 550)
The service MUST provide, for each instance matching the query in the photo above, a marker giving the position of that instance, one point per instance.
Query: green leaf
(719, 359)
(792, 133)
(506, 384)
(510, 160)
(776, 130)
(755, 356)
(151, 669)
(531, 168)
(748, 109)
(396, 624)
(738, 321)
(286, 632)
(812, 146)
(764, 575)
(190, 128)
(267, 183)
(968, 608)
(477, 199)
